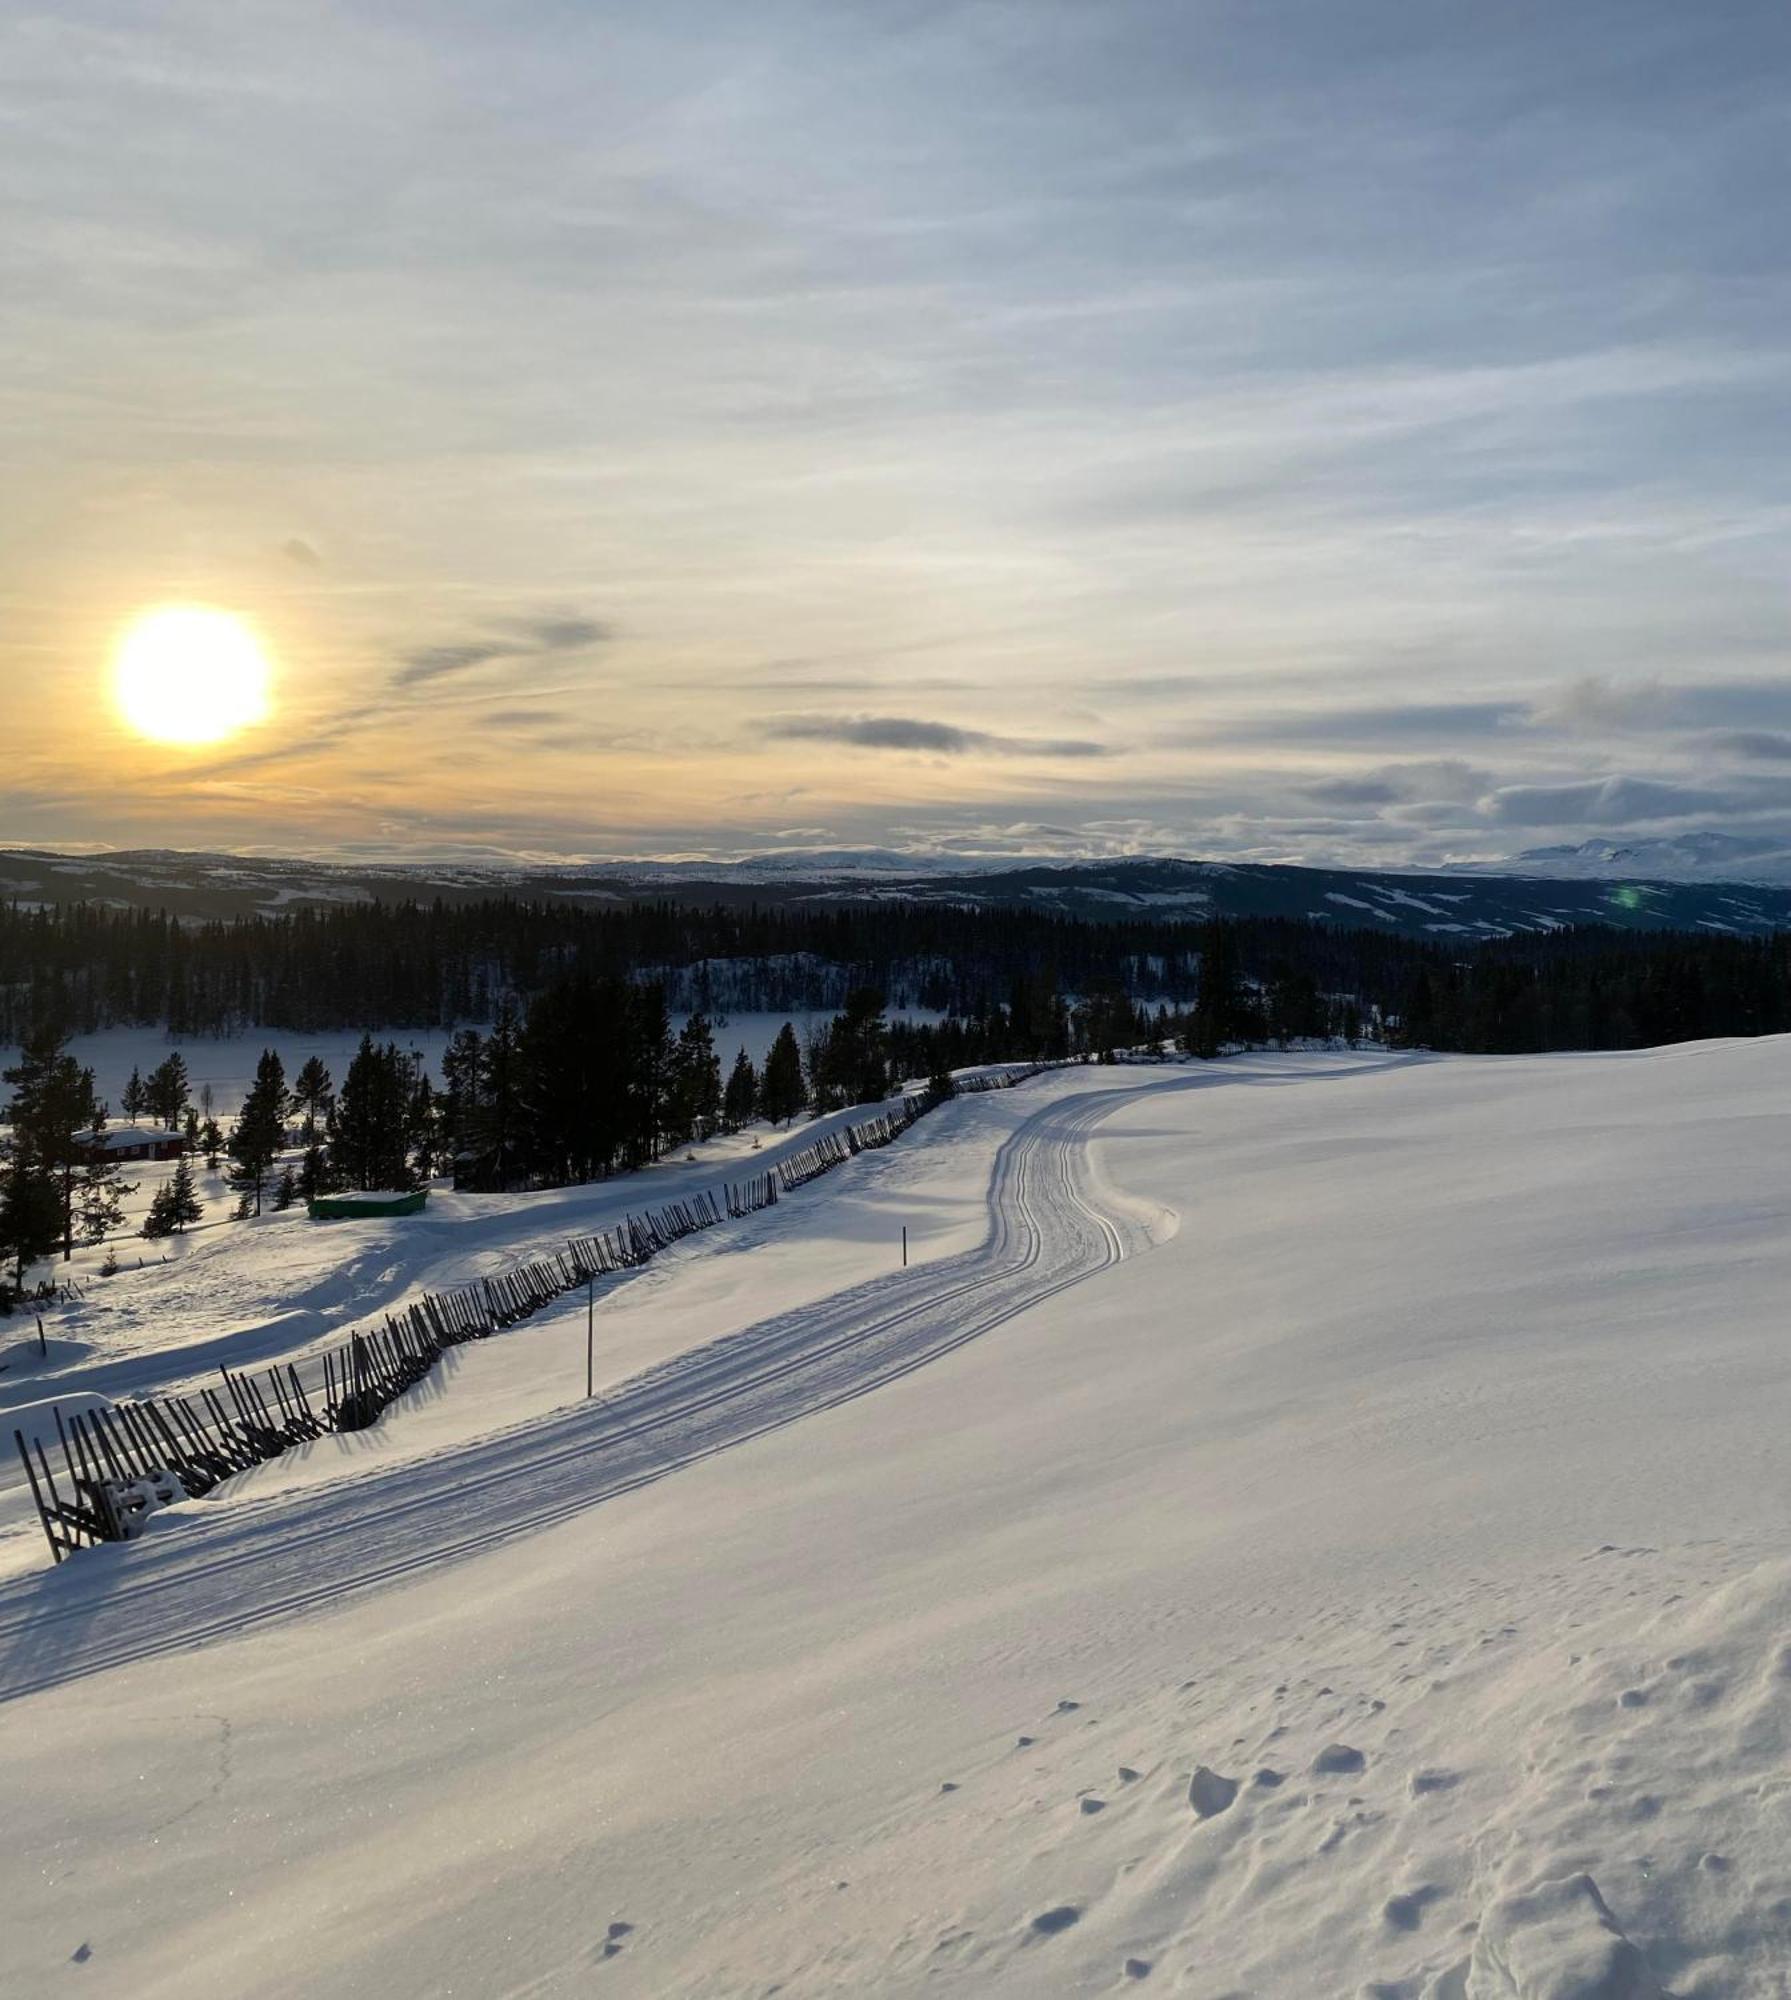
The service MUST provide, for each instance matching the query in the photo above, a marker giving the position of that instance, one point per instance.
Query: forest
(998, 974)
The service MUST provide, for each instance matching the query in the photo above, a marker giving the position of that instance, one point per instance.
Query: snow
(1315, 1525)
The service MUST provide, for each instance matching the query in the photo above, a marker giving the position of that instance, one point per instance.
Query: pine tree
(134, 1100)
(101, 1198)
(741, 1097)
(258, 1134)
(781, 1091)
(189, 1136)
(286, 1190)
(211, 1143)
(313, 1091)
(165, 1094)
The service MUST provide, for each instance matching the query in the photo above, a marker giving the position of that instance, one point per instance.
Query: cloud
(429, 663)
(1765, 745)
(520, 718)
(562, 635)
(1386, 722)
(300, 551)
(1598, 705)
(1613, 802)
(518, 638)
(939, 739)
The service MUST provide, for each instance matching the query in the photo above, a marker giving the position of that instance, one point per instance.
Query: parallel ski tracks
(256, 1563)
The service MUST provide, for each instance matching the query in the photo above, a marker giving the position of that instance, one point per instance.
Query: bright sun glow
(187, 674)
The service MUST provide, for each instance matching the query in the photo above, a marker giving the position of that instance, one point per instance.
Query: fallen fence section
(123, 1464)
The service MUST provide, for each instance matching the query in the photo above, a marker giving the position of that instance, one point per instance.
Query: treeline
(993, 972)
(412, 965)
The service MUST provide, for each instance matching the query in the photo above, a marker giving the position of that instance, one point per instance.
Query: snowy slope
(1396, 1441)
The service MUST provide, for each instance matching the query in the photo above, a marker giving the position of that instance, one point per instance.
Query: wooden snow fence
(110, 1469)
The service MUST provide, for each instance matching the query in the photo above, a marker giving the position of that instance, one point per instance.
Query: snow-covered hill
(1651, 885)
(1315, 1525)
(1679, 857)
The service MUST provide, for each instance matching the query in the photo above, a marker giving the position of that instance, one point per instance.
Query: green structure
(340, 1207)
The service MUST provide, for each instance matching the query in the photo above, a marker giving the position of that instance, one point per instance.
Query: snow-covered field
(1304, 1526)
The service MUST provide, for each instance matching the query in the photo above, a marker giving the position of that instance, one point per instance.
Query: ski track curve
(221, 1569)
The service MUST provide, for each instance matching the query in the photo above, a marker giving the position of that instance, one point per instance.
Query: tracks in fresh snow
(224, 1568)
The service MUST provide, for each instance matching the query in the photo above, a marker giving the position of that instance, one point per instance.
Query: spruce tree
(53, 1105)
(285, 1190)
(694, 1098)
(781, 1092)
(741, 1097)
(174, 1204)
(421, 1124)
(211, 1143)
(461, 1097)
(854, 1061)
(30, 1215)
(648, 1065)
(134, 1100)
(314, 1176)
(370, 1123)
(258, 1134)
(500, 1090)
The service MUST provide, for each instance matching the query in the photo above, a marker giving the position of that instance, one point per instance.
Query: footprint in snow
(1209, 1794)
(1092, 1805)
(1137, 1968)
(1338, 1760)
(1406, 1912)
(1049, 1922)
(1424, 1782)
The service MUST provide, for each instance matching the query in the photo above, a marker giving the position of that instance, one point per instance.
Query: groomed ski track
(224, 1567)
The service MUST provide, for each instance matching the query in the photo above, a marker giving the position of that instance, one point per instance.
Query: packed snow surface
(1312, 1526)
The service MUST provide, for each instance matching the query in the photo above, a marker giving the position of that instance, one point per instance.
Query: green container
(342, 1207)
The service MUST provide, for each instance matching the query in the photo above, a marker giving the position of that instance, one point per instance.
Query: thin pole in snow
(41, 1348)
(904, 1246)
(590, 1335)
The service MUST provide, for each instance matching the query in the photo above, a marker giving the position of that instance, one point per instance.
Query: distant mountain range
(1597, 883)
(1682, 857)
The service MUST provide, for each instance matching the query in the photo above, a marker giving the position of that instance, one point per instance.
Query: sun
(184, 673)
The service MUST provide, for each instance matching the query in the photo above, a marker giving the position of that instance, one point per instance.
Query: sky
(1312, 432)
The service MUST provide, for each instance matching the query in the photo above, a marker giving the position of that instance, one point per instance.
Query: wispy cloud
(520, 638)
(937, 739)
